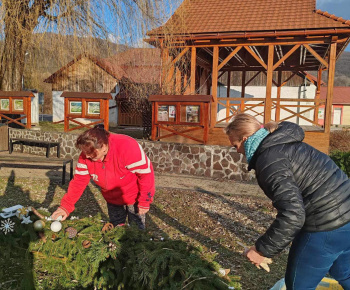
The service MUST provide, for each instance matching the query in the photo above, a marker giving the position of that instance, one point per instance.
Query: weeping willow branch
(87, 25)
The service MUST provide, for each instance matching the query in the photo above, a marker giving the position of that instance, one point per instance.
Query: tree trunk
(18, 34)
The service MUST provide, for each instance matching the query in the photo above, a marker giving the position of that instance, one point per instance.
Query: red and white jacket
(125, 176)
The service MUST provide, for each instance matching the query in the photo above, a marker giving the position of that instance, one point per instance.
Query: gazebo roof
(255, 24)
(196, 17)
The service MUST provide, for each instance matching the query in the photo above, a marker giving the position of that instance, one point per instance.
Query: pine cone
(107, 227)
(72, 232)
(86, 244)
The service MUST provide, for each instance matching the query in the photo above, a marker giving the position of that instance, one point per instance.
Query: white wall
(113, 113)
(34, 110)
(58, 110)
(252, 92)
(57, 106)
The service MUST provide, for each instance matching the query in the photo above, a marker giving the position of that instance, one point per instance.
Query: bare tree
(125, 19)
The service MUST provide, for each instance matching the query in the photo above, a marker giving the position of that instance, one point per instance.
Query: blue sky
(340, 8)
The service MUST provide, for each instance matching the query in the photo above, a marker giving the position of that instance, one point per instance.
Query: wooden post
(27, 102)
(206, 122)
(268, 102)
(228, 95)
(279, 87)
(193, 70)
(317, 95)
(154, 127)
(187, 87)
(167, 71)
(170, 76)
(208, 86)
(163, 53)
(214, 86)
(329, 99)
(66, 110)
(243, 90)
(178, 84)
(106, 113)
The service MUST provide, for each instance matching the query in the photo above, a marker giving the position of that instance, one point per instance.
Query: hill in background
(51, 51)
(342, 70)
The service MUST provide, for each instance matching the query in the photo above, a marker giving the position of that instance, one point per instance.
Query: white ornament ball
(56, 226)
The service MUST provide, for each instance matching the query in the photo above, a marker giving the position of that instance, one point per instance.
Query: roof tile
(206, 16)
(140, 65)
(341, 95)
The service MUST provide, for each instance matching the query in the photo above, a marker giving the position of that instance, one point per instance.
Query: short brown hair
(92, 139)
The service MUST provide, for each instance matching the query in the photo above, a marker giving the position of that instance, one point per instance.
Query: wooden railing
(302, 105)
(239, 105)
(284, 108)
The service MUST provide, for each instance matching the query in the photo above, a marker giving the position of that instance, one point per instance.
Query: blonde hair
(244, 125)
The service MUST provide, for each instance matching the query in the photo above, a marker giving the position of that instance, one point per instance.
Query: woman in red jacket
(119, 166)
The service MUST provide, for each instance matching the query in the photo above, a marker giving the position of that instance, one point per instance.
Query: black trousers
(119, 213)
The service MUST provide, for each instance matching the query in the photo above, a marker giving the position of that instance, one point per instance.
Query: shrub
(340, 141)
(342, 159)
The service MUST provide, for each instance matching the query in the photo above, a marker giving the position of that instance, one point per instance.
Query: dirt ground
(212, 214)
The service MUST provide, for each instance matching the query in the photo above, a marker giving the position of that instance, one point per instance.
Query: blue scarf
(253, 142)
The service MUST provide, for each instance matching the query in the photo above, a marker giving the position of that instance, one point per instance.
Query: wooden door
(4, 137)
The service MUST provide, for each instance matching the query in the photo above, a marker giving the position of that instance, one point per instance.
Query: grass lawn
(212, 221)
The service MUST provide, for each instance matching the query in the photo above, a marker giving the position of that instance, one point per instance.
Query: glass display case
(172, 113)
(86, 105)
(15, 107)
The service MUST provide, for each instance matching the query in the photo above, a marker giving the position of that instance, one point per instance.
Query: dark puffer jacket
(306, 187)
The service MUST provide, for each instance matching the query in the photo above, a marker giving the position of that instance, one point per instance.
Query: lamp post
(23, 70)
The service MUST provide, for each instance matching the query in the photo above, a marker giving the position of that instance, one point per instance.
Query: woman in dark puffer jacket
(311, 195)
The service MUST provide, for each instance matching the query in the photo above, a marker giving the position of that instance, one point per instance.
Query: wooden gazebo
(206, 39)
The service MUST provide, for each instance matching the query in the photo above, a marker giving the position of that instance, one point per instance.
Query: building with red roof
(340, 108)
(205, 40)
(124, 75)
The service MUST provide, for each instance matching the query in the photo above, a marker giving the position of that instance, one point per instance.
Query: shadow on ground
(16, 264)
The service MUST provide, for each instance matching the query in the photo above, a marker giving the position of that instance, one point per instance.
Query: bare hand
(257, 259)
(143, 210)
(59, 212)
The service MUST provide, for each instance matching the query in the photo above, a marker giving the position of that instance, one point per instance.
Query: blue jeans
(313, 255)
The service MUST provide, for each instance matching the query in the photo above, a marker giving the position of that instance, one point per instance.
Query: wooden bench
(39, 143)
(38, 162)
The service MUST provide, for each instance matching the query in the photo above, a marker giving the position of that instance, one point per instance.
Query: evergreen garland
(122, 258)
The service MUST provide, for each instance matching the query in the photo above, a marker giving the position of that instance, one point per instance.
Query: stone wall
(201, 160)
(67, 141)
